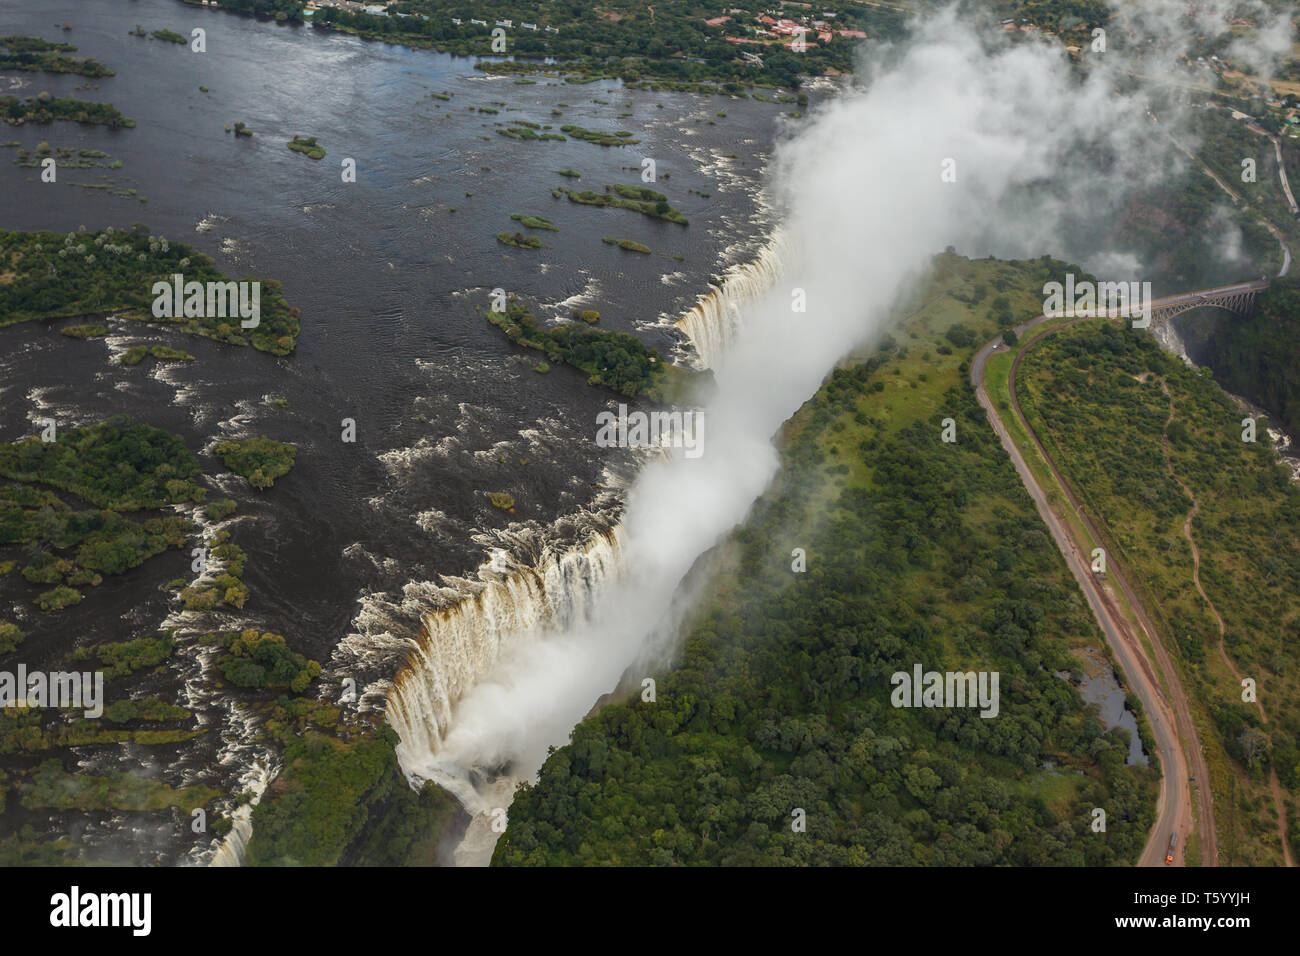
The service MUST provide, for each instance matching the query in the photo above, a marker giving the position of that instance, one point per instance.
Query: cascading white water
(459, 644)
(868, 201)
(1171, 340)
(714, 320)
(235, 845)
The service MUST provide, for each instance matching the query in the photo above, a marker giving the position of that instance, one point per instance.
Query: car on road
(1169, 857)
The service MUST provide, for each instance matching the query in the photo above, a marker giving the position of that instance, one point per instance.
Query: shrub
(58, 598)
(261, 460)
(265, 660)
(960, 336)
(220, 509)
(10, 637)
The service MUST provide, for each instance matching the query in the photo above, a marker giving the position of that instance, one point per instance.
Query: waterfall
(520, 610)
(711, 324)
(1170, 339)
(235, 845)
(459, 644)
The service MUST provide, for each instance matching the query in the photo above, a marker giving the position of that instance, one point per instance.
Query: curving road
(1177, 746)
(1281, 166)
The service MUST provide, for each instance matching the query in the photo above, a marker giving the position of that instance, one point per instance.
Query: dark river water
(392, 285)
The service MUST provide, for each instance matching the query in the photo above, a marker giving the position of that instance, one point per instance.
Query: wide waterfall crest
(459, 644)
(530, 590)
(712, 324)
(534, 588)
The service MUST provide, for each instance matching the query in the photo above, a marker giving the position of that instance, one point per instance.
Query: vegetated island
(168, 36)
(614, 359)
(675, 46)
(249, 663)
(519, 240)
(44, 108)
(117, 466)
(55, 275)
(308, 146)
(138, 353)
(627, 244)
(636, 198)
(35, 54)
(534, 222)
(88, 331)
(68, 157)
(228, 586)
(261, 460)
(241, 130)
(262, 661)
(621, 138)
(341, 797)
(522, 129)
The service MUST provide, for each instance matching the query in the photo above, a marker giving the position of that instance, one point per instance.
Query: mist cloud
(1037, 147)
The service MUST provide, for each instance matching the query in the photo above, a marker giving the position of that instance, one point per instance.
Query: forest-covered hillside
(918, 551)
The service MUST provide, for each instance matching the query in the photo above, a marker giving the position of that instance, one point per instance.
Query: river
(392, 283)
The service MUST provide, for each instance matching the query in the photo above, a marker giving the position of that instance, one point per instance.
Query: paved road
(1173, 807)
(1281, 172)
(1281, 166)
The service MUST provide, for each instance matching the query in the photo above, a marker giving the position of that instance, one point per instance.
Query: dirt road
(1177, 746)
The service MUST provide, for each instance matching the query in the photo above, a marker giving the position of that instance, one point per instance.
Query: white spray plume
(866, 208)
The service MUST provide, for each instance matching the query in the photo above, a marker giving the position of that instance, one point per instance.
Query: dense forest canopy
(1258, 356)
(1105, 401)
(918, 551)
(53, 275)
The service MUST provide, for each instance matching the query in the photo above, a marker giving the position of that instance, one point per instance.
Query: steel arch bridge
(1238, 299)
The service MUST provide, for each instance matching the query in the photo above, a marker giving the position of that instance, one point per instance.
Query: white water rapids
(522, 615)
